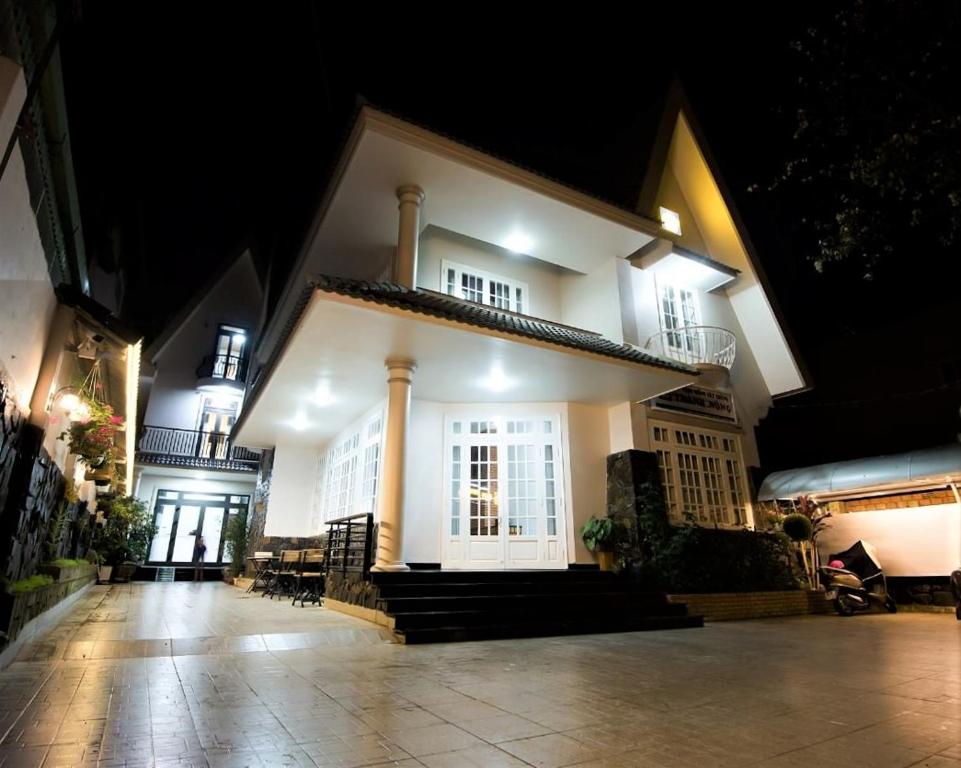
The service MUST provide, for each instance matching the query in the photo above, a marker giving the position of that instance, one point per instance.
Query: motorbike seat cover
(861, 559)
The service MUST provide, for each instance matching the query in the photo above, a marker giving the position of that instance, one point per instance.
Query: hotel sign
(697, 401)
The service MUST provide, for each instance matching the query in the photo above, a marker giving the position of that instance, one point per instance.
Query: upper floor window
(678, 312)
(484, 288)
(230, 354)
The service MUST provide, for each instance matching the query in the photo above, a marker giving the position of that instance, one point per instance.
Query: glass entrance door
(503, 494)
(182, 517)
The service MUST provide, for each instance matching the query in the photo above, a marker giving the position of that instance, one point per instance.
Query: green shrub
(798, 527)
(31, 583)
(65, 562)
(694, 559)
(237, 541)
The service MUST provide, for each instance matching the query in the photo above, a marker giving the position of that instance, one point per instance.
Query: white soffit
(673, 265)
(332, 370)
(466, 192)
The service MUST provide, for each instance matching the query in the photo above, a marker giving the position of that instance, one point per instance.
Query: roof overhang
(915, 470)
(331, 369)
(675, 265)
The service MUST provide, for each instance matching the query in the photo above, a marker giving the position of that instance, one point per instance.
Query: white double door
(503, 490)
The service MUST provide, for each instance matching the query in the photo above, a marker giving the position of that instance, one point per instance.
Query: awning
(329, 367)
(925, 467)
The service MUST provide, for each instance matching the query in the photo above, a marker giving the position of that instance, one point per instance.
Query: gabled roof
(174, 327)
(677, 107)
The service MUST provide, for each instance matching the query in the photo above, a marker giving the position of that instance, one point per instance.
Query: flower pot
(605, 560)
(125, 571)
(103, 573)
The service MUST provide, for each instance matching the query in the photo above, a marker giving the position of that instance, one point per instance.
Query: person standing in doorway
(200, 549)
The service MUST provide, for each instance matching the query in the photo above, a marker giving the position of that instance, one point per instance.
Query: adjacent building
(189, 471)
(463, 343)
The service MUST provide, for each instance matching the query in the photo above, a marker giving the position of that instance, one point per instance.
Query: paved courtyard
(202, 674)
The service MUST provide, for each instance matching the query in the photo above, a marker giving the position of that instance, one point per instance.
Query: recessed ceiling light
(518, 242)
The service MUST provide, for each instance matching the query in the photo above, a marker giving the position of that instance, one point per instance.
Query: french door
(503, 488)
(182, 518)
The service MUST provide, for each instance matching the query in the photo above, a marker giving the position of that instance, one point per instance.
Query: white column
(410, 198)
(390, 535)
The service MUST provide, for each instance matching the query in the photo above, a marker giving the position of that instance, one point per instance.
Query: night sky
(198, 131)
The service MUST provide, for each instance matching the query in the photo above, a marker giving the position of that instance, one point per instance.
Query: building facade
(463, 344)
(188, 470)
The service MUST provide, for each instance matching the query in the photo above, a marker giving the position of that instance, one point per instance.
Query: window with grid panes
(483, 287)
(701, 472)
(348, 472)
(678, 311)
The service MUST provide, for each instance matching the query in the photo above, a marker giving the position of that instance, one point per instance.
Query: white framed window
(678, 310)
(701, 472)
(484, 287)
(348, 473)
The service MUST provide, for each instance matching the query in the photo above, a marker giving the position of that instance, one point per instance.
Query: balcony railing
(195, 449)
(228, 367)
(695, 345)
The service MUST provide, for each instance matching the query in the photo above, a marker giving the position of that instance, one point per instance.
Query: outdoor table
(261, 565)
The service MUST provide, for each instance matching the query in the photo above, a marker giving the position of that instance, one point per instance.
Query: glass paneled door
(503, 494)
(182, 517)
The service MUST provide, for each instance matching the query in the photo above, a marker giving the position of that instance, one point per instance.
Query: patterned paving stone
(204, 675)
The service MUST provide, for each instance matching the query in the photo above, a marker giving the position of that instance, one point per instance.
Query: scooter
(854, 581)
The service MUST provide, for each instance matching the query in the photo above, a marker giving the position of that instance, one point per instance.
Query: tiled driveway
(184, 674)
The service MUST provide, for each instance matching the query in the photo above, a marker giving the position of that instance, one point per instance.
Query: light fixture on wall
(670, 220)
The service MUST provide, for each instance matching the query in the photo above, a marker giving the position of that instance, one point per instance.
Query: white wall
(291, 491)
(236, 300)
(593, 301)
(151, 484)
(917, 541)
(424, 494)
(587, 453)
(27, 301)
(543, 279)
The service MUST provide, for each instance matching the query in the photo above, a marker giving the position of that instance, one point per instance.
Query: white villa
(463, 343)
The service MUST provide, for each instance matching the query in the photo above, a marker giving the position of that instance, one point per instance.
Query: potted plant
(598, 536)
(237, 543)
(124, 537)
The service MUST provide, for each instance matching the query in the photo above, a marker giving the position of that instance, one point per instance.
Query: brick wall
(731, 606)
(900, 501)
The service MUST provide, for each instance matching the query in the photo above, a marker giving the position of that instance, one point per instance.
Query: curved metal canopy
(935, 466)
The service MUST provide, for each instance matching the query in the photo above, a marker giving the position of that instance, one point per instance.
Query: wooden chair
(282, 577)
(309, 580)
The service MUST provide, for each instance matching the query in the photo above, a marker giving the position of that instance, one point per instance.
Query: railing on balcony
(194, 448)
(228, 367)
(695, 345)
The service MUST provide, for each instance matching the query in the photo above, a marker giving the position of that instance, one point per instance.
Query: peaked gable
(683, 176)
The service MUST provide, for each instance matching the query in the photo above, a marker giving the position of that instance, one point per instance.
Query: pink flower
(117, 420)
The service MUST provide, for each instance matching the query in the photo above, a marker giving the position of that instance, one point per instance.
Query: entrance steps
(446, 606)
(165, 574)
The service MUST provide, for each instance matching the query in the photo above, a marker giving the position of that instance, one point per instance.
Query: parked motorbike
(956, 589)
(854, 581)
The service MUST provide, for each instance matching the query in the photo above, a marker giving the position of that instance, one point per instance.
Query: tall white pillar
(410, 198)
(390, 536)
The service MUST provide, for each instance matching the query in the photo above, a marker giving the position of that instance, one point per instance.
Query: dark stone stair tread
(546, 629)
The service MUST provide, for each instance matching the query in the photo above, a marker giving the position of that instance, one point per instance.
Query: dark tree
(876, 152)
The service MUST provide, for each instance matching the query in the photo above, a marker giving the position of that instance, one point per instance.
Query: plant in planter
(123, 539)
(237, 542)
(802, 526)
(599, 537)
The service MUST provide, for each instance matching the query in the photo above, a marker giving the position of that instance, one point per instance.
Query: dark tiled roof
(450, 308)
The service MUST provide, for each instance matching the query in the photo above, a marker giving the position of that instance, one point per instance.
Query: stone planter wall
(16, 611)
(732, 606)
(351, 587)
